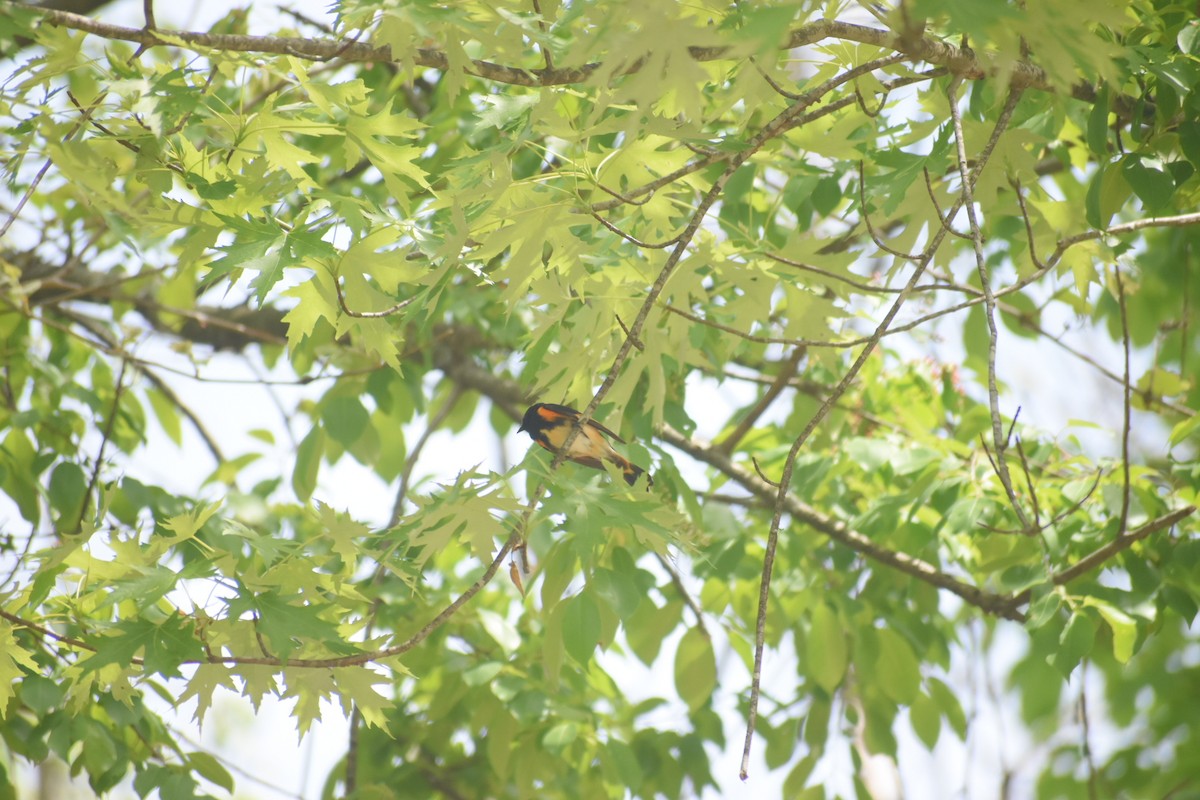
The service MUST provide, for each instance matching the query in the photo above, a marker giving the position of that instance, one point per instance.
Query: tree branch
(1122, 542)
(999, 605)
(929, 49)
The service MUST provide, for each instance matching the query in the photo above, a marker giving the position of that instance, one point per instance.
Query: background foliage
(732, 232)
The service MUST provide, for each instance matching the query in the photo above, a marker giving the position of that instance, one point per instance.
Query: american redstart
(548, 424)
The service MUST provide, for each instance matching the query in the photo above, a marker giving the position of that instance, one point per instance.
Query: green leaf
(1097, 126)
(695, 668)
(1075, 643)
(1153, 185)
(1189, 141)
(649, 627)
(558, 570)
(40, 694)
(897, 668)
(925, 719)
(208, 767)
(285, 624)
(1183, 603)
(357, 684)
(162, 646)
(16, 663)
(184, 526)
(203, 685)
(1184, 430)
(1124, 628)
(826, 652)
(626, 769)
(948, 703)
(345, 419)
(1107, 192)
(827, 195)
(619, 589)
(308, 463)
(67, 485)
(1040, 686)
(17, 456)
(581, 627)
(1188, 38)
(1043, 609)
(167, 414)
(478, 676)
(560, 737)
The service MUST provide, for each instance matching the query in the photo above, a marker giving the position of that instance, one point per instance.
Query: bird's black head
(533, 421)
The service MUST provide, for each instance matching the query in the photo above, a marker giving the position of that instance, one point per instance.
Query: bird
(548, 424)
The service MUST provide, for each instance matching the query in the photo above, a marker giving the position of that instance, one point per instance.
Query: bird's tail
(632, 471)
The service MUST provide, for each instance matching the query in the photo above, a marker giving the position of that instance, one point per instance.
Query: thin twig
(624, 198)
(47, 633)
(632, 239)
(967, 177)
(95, 328)
(37, 179)
(545, 32)
(1127, 402)
(1060, 516)
(866, 217)
(938, 208)
(782, 494)
(1086, 744)
(410, 463)
(1033, 498)
(105, 437)
(233, 767)
(787, 369)
(19, 558)
(368, 314)
(716, 157)
(789, 465)
(942, 285)
(1033, 256)
(749, 337)
(781, 123)
(928, 49)
(758, 470)
(356, 718)
(772, 82)
(636, 342)
(323, 27)
(688, 600)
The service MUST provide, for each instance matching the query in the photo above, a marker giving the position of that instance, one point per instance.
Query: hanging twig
(1127, 402)
(1086, 743)
(688, 600)
(866, 216)
(967, 179)
(105, 436)
(945, 223)
(545, 33)
(789, 465)
(410, 463)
